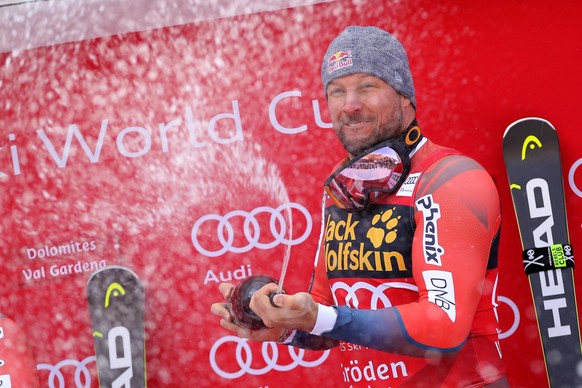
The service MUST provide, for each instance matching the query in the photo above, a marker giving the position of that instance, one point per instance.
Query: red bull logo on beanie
(339, 60)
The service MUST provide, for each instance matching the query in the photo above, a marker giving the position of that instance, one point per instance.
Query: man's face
(364, 110)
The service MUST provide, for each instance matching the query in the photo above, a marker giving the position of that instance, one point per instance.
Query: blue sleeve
(304, 340)
(378, 329)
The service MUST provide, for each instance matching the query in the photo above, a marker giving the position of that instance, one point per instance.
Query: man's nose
(352, 103)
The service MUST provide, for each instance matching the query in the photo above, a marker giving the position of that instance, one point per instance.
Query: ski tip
(112, 267)
(539, 119)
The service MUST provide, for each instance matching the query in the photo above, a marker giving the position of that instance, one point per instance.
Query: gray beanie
(372, 51)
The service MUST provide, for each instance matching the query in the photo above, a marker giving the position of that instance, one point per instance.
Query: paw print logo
(383, 228)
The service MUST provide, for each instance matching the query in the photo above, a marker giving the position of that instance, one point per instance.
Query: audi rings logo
(516, 317)
(270, 358)
(378, 298)
(280, 231)
(57, 379)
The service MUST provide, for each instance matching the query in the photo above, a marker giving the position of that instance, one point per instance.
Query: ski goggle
(370, 176)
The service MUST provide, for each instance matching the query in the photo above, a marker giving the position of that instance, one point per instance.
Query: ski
(531, 151)
(17, 365)
(116, 302)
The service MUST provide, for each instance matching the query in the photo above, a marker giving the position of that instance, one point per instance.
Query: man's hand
(220, 309)
(297, 311)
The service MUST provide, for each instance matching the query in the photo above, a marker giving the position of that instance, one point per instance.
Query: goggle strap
(322, 227)
(411, 137)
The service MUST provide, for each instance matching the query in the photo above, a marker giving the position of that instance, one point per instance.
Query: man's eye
(335, 92)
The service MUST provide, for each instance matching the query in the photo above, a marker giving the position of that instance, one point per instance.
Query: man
(407, 268)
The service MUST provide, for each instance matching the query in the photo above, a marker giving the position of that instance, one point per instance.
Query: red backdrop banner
(195, 154)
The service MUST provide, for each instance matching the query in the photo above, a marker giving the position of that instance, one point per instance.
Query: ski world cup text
(140, 139)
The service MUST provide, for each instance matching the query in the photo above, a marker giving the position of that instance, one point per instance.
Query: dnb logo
(116, 302)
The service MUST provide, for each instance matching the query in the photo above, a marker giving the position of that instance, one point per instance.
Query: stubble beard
(391, 129)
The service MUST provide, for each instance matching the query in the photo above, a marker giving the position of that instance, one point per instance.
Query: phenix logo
(339, 60)
(431, 212)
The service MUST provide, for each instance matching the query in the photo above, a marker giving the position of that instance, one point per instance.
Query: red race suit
(413, 278)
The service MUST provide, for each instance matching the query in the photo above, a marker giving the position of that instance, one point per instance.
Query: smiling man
(404, 282)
